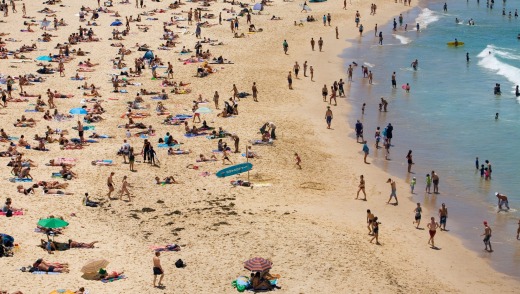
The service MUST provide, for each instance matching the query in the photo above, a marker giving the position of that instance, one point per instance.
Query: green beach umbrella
(52, 223)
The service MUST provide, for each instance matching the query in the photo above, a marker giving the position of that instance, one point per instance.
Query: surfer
(414, 64)
(456, 42)
(502, 200)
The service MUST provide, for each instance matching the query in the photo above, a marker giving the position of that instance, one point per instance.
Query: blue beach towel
(20, 180)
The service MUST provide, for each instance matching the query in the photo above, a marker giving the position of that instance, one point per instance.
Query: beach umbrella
(93, 266)
(258, 264)
(43, 58)
(116, 23)
(257, 6)
(7, 240)
(203, 110)
(62, 291)
(52, 223)
(148, 55)
(78, 111)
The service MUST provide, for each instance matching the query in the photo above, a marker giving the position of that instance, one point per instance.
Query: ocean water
(448, 118)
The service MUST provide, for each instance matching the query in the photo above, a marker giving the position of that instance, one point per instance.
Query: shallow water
(448, 118)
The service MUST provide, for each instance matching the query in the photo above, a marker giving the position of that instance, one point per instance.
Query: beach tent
(258, 6)
(148, 55)
(116, 23)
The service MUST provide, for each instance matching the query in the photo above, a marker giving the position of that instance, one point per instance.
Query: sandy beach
(306, 221)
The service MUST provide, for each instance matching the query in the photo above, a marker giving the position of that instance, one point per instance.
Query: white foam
(488, 60)
(368, 64)
(403, 39)
(426, 17)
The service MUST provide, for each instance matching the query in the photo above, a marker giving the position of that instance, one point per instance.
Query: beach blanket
(169, 247)
(260, 142)
(194, 135)
(56, 175)
(112, 280)
(77, 140)
(20, 180)
(45, 273)
(86, 128)
(164, 145)
(103, 162)
(15, 213)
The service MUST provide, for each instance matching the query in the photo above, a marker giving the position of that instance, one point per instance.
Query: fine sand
(306, 221)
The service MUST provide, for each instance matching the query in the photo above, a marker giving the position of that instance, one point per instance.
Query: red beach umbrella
(258, 264)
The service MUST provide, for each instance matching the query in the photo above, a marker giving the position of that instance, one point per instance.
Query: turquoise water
(448, 118)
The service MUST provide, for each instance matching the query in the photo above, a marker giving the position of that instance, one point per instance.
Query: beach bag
(179, 263)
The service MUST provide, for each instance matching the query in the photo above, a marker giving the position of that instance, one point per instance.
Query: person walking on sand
(328, 117)
(285, 46)
(320, 43)
(312, 43)
(375, 230)
(311, 70)
(157, 269)
(432, 227)
(428, 183)
(359, 131)
(518, 231)
(417, 211)
(124, 189)
(254, 89)
(131, 158)
(324, 92)
(443, 215)
(215, 99)
(305, 68)
(110, 184)
(337, 33)
(366, 150)
(289, 80)
(393, 193)
(296, 69)
(487, 237)
(370, 220)
(361, 187)
(298, 160)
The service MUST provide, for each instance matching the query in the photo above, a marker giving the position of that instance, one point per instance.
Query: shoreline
(402, 183)
(470, 212)
(305, 221)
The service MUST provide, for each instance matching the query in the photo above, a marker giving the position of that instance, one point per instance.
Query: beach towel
(194, 135)
(20, 180)
(122, 91)
(15, 213)
(164, 145)
(31, 110)
(77, 140)
(112, 280)
(45, 273)
(56, 175)
(102, 162)
(169, 247)
(86, 128)
(68, 160)
(260, 142)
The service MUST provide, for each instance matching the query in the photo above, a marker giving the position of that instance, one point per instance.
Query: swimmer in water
(517, 91)
(467, 57)
(496, 116)
(414, 64)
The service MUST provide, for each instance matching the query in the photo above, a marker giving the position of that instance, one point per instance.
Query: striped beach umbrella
(258, 264)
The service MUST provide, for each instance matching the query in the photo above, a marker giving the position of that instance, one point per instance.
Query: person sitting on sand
(167, 180)
(25, 173)
(259, 283)
(50, 246)
(75, 244)
(250, 153)
(67, 173)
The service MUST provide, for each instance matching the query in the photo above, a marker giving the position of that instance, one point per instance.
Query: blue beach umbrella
(43, 58)
(116, 23)
(148, 55)
(8, 240)
(78, 111)
(257, 6)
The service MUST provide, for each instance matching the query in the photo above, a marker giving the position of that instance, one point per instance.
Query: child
(428, 183)
(412, 184)
(482, 171)
(486, 173)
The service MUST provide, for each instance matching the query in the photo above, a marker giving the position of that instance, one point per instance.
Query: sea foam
(488, 59)
(426, 17)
